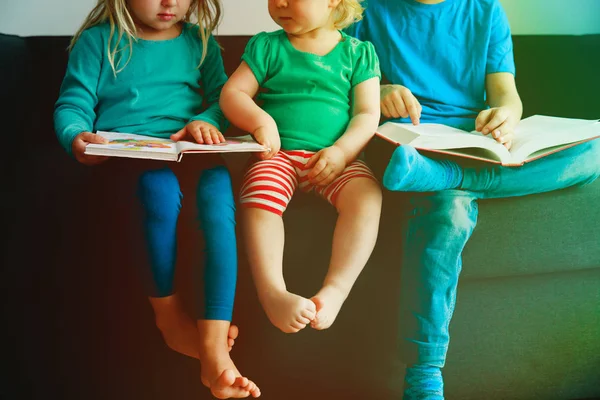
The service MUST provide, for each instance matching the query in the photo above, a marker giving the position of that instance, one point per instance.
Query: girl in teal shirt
(140, 66)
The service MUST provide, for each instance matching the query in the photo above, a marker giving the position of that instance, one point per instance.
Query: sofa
(78, 325)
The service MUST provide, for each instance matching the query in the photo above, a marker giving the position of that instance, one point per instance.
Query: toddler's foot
(178, 330)
(287, 311)
(218, 372)
(230, 385)
(423, 382)
(409, 171)
(328, 301)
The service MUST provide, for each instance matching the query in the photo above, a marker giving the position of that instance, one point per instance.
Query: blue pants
(161, 200)
(439, 227)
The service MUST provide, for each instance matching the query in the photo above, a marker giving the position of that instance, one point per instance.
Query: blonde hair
(207, 13)
(347, 13)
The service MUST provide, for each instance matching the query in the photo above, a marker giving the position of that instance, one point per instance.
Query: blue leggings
(161, 199)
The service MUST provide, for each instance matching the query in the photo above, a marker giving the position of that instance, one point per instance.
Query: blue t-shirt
(158, 91)
(441, 52)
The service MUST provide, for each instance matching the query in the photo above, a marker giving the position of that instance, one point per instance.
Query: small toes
(297, 325)
(308, 314)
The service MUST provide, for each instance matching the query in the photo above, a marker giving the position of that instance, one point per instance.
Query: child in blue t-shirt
(141, 66)
(450, 62)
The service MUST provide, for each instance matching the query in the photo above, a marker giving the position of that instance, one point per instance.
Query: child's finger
(273, 150)
(398, 108)
(177, 136)
(494, 123)
(266, 155)
(396, 105)
(214, 135)
(196, 133)
(317, 169)
(385, 111)
(93, 138)
(482, 120)
(311, 161)
(205, 133)
(221, 137)
(411, 105)
(504, 137)
(330, 178)
(322, 176)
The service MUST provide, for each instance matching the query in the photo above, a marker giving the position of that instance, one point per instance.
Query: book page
(442, 137)
(232, 144)
(538, 132)
(146, 146)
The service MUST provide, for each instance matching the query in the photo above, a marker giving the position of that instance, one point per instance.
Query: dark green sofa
(527, 321)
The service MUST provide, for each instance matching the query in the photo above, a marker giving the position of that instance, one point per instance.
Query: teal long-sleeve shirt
(157, 93)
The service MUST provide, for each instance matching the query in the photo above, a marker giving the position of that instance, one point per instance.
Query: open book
(141, 146)
(535, 137)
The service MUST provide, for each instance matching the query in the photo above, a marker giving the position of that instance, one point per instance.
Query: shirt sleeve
(367, 63)
(212, 79)
(500, 51)
(256, 55)
(74, 110)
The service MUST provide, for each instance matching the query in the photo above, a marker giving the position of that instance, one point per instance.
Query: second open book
(535, 137)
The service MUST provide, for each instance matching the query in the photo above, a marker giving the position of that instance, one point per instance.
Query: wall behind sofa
(527, 17)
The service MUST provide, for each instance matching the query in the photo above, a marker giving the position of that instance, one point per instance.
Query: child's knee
(214, 191)
(213, 181)
(360, 194)
(453, 210)
(159, 191)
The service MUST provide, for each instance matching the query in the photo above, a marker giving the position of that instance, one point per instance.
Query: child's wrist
(265, 123)
(348, 157)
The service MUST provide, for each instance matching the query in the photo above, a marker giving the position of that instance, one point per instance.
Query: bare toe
(225, 386)
(233, 332)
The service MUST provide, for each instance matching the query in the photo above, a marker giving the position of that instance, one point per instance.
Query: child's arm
(239, 107)
(501, 91)
(74, 114)
(329, 163)
(207, 126)
(506, 108)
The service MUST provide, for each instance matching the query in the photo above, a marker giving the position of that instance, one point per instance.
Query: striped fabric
(270, 184)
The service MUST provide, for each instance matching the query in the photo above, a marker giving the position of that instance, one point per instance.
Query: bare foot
(178, 330)
(328, 302)
(287, 311)
(218, 372)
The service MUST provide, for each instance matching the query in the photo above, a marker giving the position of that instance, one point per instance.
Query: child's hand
(268, 136)
(327, 164)
(200, 132)
(79, 144)
(500, 122)
(397, 101)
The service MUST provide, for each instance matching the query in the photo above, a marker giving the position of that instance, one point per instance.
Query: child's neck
(430, 1)
(318, 41)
